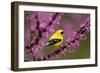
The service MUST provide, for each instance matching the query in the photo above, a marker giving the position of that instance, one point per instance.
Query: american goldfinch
(56, 39)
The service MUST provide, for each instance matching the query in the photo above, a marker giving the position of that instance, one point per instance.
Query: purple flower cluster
(78, 36)
(43, 25)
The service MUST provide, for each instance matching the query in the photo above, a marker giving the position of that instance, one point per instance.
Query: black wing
(53, 41)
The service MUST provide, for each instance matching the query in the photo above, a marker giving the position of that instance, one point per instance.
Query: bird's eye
(62, 32)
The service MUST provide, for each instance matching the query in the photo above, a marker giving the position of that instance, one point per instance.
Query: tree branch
(81, 31)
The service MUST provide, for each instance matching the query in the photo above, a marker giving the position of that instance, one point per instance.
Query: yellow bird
(56, 39)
